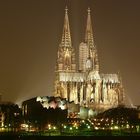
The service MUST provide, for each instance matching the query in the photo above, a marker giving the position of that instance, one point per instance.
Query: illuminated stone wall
(85, 86)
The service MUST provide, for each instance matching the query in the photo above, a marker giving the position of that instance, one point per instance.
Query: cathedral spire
(66, 37)
(89, 33)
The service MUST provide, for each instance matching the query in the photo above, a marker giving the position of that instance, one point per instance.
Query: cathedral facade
(84, 84)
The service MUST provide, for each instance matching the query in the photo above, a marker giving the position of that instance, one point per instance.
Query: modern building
(85, 85)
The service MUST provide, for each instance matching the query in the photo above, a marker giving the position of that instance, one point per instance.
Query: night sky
(31, 30)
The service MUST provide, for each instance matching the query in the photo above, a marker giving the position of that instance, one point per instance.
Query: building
(10, 116)
(85, 85)
(38, 112)
(1, 119)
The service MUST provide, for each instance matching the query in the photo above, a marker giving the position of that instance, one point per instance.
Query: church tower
(85, 86)
(65, 63)
(66, 55)
(88, 57)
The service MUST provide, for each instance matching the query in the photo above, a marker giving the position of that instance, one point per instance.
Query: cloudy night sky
(31, 30)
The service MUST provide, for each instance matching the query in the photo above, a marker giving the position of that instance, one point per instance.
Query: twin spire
(89, 33)
(66, 37)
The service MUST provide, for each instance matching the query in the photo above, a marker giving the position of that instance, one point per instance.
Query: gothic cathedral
(85, 85)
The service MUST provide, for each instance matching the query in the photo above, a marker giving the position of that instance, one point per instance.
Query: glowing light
(111, 128)
(54, 127)
(127, 126)
(102, 120)
(83, 121)
(88, 127)
(49, 126)
(116, 127)
(75, 124)
(65, 126)
(70, 128)
(106, 119)
(96, 128)
(62, 107)
(23, 125)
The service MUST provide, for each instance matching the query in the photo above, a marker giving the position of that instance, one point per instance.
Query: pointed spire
(89, 33)
(66, 37)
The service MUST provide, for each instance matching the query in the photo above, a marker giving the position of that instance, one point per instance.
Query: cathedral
(84, 84)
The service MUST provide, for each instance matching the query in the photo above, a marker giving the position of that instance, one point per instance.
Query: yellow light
(127, 126)
(65, 126)
(75, 124)
(23, 125)
(54, 127)
(83, 121)
(96, 128)
(70, 128)
(116, 127)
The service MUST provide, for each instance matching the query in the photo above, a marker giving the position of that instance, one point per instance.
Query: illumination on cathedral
(85, 86)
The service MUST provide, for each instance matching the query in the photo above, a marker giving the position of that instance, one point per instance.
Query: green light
(88, 127)
(65, 126)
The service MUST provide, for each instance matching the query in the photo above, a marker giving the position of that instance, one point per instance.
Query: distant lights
(75, 124)
(88, 127)
(65, 126)
(23, 125)
(127, 126)
(116, 127)
(102, 120)
(49, 125)
(83, 121)
(96, 128)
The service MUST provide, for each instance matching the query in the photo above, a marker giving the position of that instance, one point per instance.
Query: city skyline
(30, 37)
